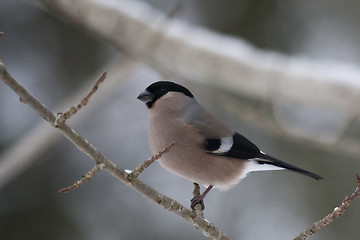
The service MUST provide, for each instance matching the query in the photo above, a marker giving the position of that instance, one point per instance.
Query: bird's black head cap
(158, 89)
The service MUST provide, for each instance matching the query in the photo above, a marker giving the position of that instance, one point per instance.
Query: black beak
(146, 97)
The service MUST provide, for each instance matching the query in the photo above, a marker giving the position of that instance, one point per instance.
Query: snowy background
(53, 59)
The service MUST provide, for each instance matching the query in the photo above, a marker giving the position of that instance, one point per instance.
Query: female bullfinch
(206, 151)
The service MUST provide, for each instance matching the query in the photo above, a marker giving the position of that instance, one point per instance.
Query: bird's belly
(188, 159)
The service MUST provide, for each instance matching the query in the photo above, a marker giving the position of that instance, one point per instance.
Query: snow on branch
(194, 53)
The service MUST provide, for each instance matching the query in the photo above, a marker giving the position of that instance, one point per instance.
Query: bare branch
(17, 157)
(338, 211)
(207, 228)
(62, 117)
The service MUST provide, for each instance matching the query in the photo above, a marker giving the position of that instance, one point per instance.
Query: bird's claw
(195, 201)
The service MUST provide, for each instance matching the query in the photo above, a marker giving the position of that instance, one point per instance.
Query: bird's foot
(197, 200)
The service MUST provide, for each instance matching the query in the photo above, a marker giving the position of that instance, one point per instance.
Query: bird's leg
(200, 199)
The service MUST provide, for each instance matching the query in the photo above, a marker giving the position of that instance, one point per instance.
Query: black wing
(241, 148)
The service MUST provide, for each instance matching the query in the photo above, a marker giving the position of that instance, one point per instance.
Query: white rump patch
(253, 166)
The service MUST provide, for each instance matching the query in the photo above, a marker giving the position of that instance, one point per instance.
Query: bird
(206, 150)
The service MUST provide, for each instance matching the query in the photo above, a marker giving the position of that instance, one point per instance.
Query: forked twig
(141, 167)
(62, 117)
(100, 166)
(338, 211)
(87, 177)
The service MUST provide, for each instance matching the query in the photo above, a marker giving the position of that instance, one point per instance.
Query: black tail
(267, 159)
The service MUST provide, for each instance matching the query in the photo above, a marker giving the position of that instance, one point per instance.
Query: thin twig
(141, 167)
(62, 117)
(87, 177)
(199, 222)
(338, 211)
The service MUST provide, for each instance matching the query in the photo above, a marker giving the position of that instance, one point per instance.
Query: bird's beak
(145, 96)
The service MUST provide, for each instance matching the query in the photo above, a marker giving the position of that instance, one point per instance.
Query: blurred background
(54, 59)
